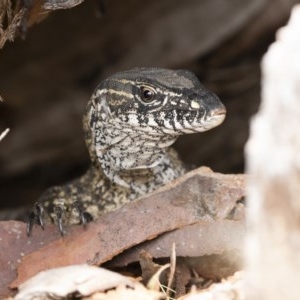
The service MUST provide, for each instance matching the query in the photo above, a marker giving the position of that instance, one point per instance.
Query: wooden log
(273, 161)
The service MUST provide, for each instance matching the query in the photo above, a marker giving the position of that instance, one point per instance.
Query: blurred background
(47, 77)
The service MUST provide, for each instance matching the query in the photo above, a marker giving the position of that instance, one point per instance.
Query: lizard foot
(57, 215)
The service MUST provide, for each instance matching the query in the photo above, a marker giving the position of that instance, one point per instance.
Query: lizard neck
(142, 180)
(129, 157)
(133, 158)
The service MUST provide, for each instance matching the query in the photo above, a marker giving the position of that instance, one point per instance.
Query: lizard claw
(30, 223)
(58, 210)
(39, 213)
(35, 217)
(84, 216)
(87, 217)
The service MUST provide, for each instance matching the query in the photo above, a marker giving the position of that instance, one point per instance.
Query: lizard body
(130, 121)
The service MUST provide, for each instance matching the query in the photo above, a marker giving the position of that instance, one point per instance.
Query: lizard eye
(147, 94)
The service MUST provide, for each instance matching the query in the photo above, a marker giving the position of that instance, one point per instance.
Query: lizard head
(161, 101)
(134, 115)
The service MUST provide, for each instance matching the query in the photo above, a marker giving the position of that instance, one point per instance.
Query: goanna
(130, 121)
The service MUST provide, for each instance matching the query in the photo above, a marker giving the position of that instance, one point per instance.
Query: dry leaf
(213, 248)
(229, 289)
(199, 196)
(61, 282)
(124, 293)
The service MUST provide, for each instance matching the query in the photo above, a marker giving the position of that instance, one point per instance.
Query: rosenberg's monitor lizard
(130, 121)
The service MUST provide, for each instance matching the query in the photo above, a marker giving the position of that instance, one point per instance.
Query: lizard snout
(216, 116)
(218, 111)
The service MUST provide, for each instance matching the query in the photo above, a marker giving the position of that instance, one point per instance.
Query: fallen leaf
(125, 293)
(233, 288)
(14, 245)
(58, 283)
(197, 196)
(214, 248)
(203, 238)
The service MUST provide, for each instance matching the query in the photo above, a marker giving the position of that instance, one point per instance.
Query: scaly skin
(130, 121)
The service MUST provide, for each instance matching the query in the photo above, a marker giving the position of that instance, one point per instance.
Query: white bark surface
(273, 162)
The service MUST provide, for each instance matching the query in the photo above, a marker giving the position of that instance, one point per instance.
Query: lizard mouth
(211, 119)
(218, 115)
(215, 118)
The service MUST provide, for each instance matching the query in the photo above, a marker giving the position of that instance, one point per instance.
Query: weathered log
(273, 248)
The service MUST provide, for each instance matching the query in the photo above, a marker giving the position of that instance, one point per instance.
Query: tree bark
(273, 248)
